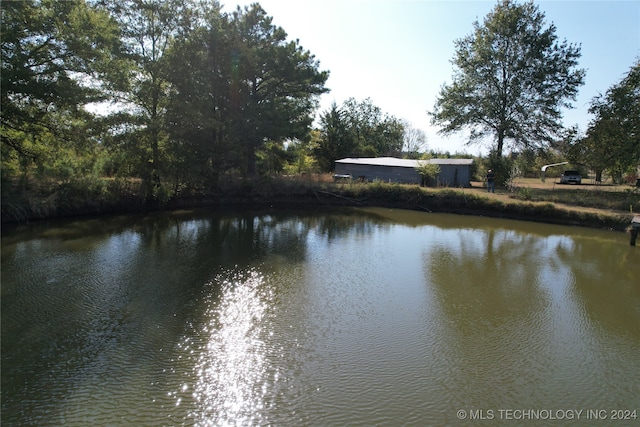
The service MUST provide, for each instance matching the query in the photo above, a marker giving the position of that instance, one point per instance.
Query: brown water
(349, 317)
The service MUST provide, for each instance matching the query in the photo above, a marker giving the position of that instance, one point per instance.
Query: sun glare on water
(232, 372)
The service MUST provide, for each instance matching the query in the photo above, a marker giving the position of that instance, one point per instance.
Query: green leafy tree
(612, 142)
(53, 58)
(336, 139)
(275, 83)
(375, 132)
(237, 84)
(272, 158)
(201, 67)
(357, 129)
(300, 154)
(139, 82)
(429, 171)
(501, 167)
(512, 79)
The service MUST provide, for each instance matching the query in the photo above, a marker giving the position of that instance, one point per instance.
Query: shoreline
(296, 194)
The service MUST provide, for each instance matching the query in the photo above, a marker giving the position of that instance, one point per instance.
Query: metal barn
(453, 172)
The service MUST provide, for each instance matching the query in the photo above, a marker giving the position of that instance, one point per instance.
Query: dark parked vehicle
(570, 177)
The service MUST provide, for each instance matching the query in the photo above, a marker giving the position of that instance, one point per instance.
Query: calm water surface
(350, 317)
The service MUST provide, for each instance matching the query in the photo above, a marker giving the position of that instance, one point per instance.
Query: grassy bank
(112, 196)
(469, 202)
(596, 197)
(89, 196)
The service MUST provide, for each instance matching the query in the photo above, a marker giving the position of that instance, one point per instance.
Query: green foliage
(162, 193)
(513, 78)
(77, 196)
(612, 142)
(336, 140)
(357, 129)
(300, 156)
(525, 162)
(238, 83)
(372, 129)
(196, 92)
(428, 171)
(139, 79)
(53, 58)
(272, 158)
(501, 166)
(525, 193)
(202, 100)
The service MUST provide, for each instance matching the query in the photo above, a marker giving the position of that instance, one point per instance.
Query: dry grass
(586, 197)
(602, 206)
(587, 184)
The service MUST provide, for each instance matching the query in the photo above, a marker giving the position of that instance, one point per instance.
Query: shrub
(525, 193)
(429, 172)
(501, 166)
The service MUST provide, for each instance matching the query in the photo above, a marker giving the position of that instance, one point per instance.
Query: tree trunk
(500, 143)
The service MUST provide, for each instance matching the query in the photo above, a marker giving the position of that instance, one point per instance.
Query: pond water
(342, 317)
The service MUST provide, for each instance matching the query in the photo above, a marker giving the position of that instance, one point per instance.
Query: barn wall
(450, 175)
(381, 173)
(454, 176)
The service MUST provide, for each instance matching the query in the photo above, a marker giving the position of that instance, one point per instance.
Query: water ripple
(233, 370)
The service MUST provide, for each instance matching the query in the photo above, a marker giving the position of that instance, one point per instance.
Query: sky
(398, 52)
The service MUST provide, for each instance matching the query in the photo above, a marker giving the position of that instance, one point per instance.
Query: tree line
(174, 93)
(178, 95)
(612, 140)
(190, 92)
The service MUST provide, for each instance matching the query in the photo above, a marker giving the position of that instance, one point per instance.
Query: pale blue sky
(398, 52)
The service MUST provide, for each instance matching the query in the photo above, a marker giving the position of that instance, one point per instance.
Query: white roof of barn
(403, 163)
